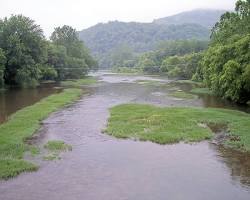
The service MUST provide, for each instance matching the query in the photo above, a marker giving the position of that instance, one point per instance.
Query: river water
(103, 167)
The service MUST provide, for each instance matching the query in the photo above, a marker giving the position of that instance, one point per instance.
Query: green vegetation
(174, 58)
(135, 38)
(175, 124)
(150, 82)
(202, 91)
(12, 167)
(225, 66)
(57, 145)
(79, 82)
(183, 95)
(51, 157)
(21, 126)
(26, 57)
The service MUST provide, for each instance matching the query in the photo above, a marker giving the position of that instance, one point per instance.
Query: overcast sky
(85, 13)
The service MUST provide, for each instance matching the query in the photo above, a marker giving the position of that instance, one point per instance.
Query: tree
(24, 46)
(225, 65)
(68, 54)
(2, 66)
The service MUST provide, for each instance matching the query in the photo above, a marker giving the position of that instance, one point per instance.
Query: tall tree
(24, 46)
(72, 59)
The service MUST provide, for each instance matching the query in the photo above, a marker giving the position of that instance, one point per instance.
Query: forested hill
(204, 17)
(104, 38)
(140, 36)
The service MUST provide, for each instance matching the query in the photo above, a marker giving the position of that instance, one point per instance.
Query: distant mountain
(104, 38)
(140, 37)
(204, 17)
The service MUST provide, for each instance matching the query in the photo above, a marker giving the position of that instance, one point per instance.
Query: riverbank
(175, 124)
(21, 126)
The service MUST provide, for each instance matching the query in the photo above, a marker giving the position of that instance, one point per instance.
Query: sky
(82, 14)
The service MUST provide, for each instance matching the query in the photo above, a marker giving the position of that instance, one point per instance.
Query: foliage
(24, 46)
(226, 68)
(181, 66)
(175, 124)
(69, 55)
(27, 58)
(225, 65)
(23, 125)
(2, 67)
(103, 39)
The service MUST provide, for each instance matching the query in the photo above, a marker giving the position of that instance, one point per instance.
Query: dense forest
(223, 64)
(105, 39)
(26, 57)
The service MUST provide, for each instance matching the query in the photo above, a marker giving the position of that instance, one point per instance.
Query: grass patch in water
(57, 145)
(205, 91)
(175, 124)
(12, 167)
(150, 82)
(51, 157)
(182, 95)
(22, 125)
(189, 82)
(79, 82)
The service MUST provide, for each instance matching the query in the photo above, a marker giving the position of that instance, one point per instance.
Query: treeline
(223, 65)
(104, 39)
(26, 57)
(173, 58)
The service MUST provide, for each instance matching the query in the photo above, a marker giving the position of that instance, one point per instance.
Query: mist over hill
(204, 17)
(104, 38)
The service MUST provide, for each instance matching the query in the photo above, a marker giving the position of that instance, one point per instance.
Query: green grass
(182, 95)
(150, 82)
(13, 167)
(57, 145)
(79, 82)
(189, 82)
(51, 157)
(206, 91)
(22, 125)
(175, 124)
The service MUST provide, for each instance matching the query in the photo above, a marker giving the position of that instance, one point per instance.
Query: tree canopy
(26, 57)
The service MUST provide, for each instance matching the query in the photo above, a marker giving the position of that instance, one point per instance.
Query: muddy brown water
(14, 99)
(102, 167)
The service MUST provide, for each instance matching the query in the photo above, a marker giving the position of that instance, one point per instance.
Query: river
(103, 167)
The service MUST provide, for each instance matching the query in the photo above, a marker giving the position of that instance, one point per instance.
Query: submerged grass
(22, 125)
(79, 82)
(182, 95)
(175, 124)
(206, 91)
(57, 145)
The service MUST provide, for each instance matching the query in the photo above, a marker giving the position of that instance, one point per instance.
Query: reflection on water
(102, 167)
(237, 162)
(15, 98)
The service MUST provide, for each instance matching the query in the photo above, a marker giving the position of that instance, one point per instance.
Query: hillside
(204, 17)
(104, 38)
(140, 36)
